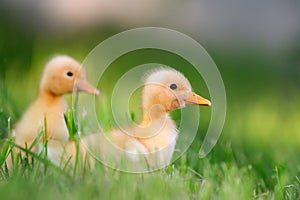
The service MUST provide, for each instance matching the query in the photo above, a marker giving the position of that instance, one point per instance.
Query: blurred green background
(256, 47)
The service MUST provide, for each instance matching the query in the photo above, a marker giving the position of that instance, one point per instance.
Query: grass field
(257, 156)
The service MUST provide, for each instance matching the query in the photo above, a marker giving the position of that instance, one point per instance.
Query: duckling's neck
(51, 99)
(152, 113)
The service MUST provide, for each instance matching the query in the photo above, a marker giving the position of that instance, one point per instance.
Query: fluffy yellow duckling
(154, 138)
(60, 76)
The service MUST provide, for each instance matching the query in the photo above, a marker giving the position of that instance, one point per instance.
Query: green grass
(257, 156)
(250, 161)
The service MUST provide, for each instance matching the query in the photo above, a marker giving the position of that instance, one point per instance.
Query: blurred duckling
(154, 138)
(61, 75)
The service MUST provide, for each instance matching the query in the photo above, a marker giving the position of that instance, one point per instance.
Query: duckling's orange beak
(85, 86)
(195, 99)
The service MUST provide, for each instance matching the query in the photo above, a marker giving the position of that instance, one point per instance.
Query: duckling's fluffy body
(33, 121)
(157, 140)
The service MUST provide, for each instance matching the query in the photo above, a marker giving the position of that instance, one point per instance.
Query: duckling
(62, 75)
(154, 138)
(164, 90)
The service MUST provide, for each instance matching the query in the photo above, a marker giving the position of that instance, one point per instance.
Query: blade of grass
(36, 140)
(77, 146)
(5, 148)
(4, 152)
(67, 163)
(70, 122)
(45, 141)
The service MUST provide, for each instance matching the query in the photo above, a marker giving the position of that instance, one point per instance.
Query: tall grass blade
(71, 123)
(4, 152)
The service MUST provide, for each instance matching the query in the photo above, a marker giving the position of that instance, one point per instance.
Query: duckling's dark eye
(70, 74)
(173, 86)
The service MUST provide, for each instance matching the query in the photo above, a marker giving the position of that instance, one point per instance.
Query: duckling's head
(169, 89)
(61, 74)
